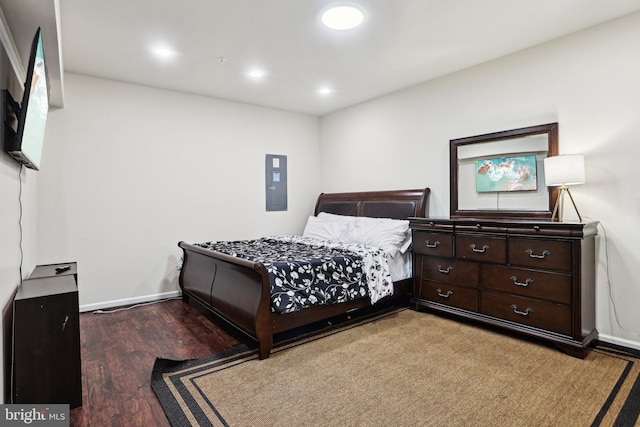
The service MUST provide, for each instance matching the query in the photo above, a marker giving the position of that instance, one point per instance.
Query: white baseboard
(619, 341)
(130, 301)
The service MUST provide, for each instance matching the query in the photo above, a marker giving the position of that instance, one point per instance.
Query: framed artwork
(506, 174)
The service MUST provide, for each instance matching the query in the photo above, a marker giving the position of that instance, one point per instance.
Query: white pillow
(406, 244)
(392, 235)
(325, 229)
(344, 219)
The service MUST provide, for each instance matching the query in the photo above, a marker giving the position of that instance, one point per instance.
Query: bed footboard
(234, 289)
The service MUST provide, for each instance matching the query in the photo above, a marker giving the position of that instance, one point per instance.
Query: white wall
(589, 82)
(128, 171)
(17, 227)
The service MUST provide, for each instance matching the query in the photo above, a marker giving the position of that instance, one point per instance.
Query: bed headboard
(396, 204)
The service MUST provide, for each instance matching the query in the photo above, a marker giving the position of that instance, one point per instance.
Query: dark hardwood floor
(118, 352)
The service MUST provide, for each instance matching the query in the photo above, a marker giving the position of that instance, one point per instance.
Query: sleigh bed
(239, 291)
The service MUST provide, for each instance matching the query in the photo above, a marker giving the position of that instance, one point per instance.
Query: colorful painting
(506, 174)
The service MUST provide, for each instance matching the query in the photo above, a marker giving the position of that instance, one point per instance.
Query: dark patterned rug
(402, 368)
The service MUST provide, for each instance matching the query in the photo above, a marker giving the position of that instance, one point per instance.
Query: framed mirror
(501, 174)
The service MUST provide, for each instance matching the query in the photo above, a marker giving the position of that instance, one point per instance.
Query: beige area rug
(404, 368)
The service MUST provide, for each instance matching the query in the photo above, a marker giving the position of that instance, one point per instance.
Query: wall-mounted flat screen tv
(25, 124)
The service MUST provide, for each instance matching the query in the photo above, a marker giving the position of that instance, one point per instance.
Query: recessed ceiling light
(256, 73)
(342, 17)
(164, 52)
(325, 91)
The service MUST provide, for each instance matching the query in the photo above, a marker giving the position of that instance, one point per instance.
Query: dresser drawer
(538, 253)
(528, 311)
(431, 224)
(480, 227)
(448, 293)
(448, 270)
(548, 229)
(555, 287)
(481, 248)
(435, 244)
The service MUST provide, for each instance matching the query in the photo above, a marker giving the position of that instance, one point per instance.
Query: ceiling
(401, 43)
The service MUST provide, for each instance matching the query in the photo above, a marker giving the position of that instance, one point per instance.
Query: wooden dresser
(526, 276)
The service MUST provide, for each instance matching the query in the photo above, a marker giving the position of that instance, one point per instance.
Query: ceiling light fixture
(256, 73)
(343, 17)
(325, 91)
(164, 52)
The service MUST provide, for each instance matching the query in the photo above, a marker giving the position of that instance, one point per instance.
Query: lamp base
(560, 201)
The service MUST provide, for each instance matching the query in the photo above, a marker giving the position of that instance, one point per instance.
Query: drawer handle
(443, 271)
(544, 254)
(432, 245)
(480, 251)
(447, 295)
(521, 313)
(525, 284)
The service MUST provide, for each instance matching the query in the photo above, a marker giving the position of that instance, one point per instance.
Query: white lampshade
(564, 170)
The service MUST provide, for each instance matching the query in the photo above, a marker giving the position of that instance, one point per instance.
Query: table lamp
(563, 171)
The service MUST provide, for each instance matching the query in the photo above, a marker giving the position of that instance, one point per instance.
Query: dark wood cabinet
(46, 334)
(526, 276)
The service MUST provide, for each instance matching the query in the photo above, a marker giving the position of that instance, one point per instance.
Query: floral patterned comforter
(304, 271)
